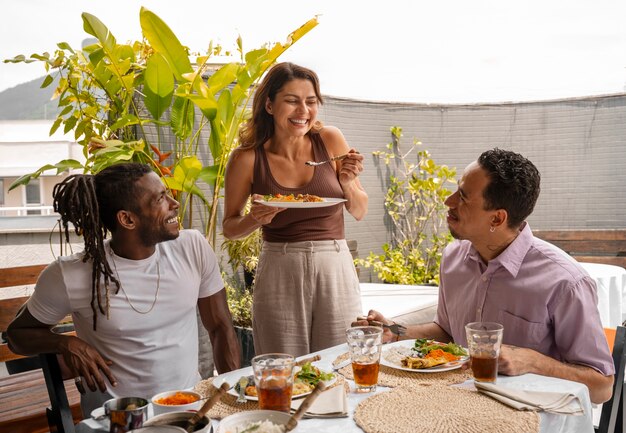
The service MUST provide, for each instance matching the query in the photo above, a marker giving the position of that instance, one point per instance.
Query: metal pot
(126, 413)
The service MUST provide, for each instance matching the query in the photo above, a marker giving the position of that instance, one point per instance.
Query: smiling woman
(299, 243)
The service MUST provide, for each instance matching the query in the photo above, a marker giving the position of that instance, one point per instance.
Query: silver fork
(334, 158)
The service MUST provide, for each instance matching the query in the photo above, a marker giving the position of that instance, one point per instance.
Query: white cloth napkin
(553, 402)
(331, 403)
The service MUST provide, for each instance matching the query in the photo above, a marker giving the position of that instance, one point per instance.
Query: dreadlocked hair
(91, 204)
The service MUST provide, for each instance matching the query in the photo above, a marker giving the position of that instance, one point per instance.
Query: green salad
(425, 345)
(312, 375)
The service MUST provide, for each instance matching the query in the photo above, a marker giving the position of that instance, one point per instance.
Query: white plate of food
(305, 378)
(299, 201)
(424, 357)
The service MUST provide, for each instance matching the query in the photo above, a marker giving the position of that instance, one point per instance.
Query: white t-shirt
(151, 352)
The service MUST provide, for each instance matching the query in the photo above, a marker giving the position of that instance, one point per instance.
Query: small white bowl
(242, 419)
(166, 408)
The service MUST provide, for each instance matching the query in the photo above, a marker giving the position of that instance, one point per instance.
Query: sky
(445, 51)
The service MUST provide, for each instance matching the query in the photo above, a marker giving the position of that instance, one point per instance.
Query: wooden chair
(25, 397)
(612, 415)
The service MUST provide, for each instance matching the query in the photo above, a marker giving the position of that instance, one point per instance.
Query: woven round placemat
(440, 409)
(392, 377)
(228, 404)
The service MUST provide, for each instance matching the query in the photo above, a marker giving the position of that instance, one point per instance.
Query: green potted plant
(416, 191)
(240, 304)
(111, 95)
(244, 255)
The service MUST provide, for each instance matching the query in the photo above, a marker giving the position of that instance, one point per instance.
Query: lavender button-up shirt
(544, 299)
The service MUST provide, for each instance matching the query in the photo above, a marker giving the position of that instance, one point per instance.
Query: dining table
(611, 289)
(548, 422)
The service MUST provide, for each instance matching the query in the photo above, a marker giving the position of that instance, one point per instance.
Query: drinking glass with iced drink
(483, 341)
(364, 345)
(273, 378)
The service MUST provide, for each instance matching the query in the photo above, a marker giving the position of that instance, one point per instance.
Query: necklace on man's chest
(158, 285)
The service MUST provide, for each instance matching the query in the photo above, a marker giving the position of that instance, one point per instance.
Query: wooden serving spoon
(191, 422)
(306, 404)
(306, 360)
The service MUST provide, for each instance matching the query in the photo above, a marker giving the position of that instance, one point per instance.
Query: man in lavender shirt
(497, 271)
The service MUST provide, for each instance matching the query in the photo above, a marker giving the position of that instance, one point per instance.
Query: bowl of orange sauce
(176, 401)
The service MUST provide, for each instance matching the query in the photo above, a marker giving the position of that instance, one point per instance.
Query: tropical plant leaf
(165, 42)
(208, 106)
(185, 175)
(223, 77)
(47, 81)
(158, 85)
(95, 27)
(60, 167)
(182, 117)
(209, 174)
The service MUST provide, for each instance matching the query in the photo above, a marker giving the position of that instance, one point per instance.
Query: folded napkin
(331, 403)
(553, 402)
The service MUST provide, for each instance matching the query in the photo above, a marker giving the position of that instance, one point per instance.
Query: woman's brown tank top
(295, 225)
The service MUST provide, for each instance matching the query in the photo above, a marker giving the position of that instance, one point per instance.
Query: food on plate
(302, 198)
(259, 427)
(428, 361)
(311, 375)
(439, 353)
(425, 346)
(301, 388)
(425, 353)
(251, 391)
(178, 398)
(303, 381)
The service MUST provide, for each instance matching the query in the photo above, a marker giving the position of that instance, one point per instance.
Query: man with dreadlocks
(133, 297)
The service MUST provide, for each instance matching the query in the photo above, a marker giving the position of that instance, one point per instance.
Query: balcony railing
(25, 210)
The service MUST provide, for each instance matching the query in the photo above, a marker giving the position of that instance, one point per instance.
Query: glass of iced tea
(273, 378)
(483, 341)
(365, 344)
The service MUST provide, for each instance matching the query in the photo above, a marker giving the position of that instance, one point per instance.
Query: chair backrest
(612, 415)
(59, 414)
(13, 277)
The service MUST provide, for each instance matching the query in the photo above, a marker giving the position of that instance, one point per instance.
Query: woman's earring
(492, 229)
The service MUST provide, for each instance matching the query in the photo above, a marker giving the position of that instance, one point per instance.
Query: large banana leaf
(158, 85)
(95, 27)
(164, 41)
(182, 117)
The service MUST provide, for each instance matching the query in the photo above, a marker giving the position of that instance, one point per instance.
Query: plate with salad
(304, 380)
(423, 355)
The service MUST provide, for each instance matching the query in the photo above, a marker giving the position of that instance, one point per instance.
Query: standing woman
(306, 290)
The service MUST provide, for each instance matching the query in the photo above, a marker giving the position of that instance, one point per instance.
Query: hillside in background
(28, 101)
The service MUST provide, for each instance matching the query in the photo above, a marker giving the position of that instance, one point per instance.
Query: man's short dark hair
(514, 184)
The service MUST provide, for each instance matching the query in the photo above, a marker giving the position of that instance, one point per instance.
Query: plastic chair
(612, 415)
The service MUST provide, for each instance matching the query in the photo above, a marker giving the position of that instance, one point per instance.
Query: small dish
(160, 408)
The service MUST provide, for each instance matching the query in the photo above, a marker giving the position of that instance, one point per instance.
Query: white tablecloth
(611, 284)
(550, 423)
(407, 304)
